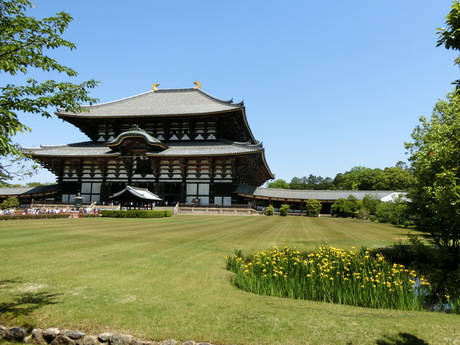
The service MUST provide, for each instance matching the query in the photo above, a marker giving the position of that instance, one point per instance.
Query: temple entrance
(135, 198)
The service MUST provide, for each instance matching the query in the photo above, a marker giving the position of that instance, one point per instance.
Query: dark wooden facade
(180, 144)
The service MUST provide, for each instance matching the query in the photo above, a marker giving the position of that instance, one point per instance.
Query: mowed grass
(165, 278)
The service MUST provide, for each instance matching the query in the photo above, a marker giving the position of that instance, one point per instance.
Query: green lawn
(165, 278)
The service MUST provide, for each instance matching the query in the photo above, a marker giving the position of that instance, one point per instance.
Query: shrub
(395, 212)
(269, 211)
(284, 210)
(11, 202)
(135, 214)
(370, 203)
(34, 216)
(313, 208)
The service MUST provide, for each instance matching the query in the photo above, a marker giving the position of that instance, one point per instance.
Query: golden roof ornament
(198, 85)
(155, 86)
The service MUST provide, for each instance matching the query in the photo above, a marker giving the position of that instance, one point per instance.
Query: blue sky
(328, 85)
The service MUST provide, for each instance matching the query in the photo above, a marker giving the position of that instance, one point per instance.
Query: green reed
(331, 275)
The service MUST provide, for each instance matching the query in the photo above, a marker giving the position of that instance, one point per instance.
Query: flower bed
(331, 275)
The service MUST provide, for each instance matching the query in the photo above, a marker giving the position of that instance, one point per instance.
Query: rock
(120, 339)
(149, 343)
(36, 337)
(104, 337)
(50, 334)
(90, 340)
(16, 334)
(170, 342)
(2, 331)
(75, 335)
(188, 342)
(62, 340)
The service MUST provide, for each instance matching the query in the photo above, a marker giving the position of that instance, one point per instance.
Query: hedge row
(136, 214)
(44, 216)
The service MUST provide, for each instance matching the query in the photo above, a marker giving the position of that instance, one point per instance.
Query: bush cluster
(269, 211)
(313, 208)
(34, 216)
(136, 213)
(46, 216)
(396, 212)
(284, 210)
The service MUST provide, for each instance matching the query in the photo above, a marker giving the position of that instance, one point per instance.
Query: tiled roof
(140, 193)
(312, 194)
(159, 103)
(28, 190)
(152, 141)
(189, 148)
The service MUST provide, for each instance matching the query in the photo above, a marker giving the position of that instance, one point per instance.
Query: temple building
(183, 145)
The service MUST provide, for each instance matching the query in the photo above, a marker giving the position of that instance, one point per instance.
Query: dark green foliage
(395, 212)
(312, 208)
(398, 177)
(25, 45)
(348, 207)
(312, 182)
(362, 178)
(371, 202)
(284, 210)
(448, 36)
(341, 208)
(269, 211)
(10, 202)
(435, 157)
(136, 214)
(279, 184)
(440, 268)
(35, 216)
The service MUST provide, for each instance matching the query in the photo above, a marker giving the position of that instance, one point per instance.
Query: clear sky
(327, 85)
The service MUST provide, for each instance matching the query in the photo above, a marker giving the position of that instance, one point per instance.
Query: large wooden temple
(183, 145)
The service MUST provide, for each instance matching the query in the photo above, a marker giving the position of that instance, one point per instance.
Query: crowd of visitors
(54, 210)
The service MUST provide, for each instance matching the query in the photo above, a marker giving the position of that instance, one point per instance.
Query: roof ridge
(62, 111)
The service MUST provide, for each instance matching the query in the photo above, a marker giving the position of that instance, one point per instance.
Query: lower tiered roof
(175, 149)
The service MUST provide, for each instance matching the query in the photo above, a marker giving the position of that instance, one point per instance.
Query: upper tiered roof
(158, 103)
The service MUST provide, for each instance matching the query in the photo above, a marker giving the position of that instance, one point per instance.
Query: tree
(370, 203)
(394, 212)
(348, 207)
(279, 184)
(24, 46)
(435, 159)
(313, 207)
(10, 202)
(311, 182)
(395, 178)
(298, 183)
(449, 36)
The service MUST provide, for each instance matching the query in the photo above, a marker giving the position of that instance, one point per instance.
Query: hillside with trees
(399, 177)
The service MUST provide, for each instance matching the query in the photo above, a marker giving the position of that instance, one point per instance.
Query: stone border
(56, 336)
